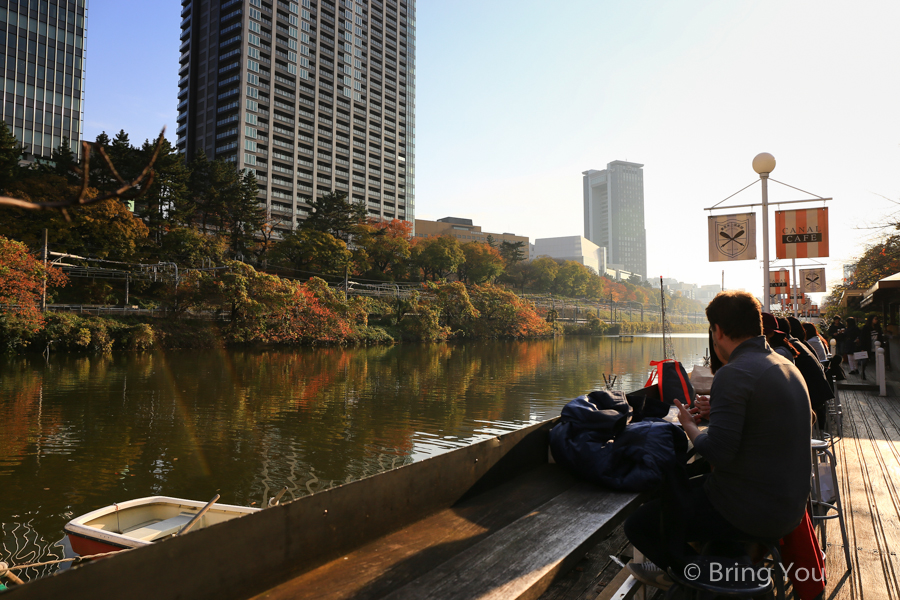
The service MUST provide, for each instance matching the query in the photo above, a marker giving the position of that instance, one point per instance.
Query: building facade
(465, 231)
(43, 89)
(614, 214)
(312, 95)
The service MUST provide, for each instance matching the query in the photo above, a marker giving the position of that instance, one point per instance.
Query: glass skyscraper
(43, 87)
(312, 95)
(614, 214)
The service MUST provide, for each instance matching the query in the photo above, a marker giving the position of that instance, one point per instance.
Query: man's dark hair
(736, 313)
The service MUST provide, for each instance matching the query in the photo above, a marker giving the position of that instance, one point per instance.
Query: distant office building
(313, 96)
(614, 214)
(44, 84)
(464, 230)
(573, 247)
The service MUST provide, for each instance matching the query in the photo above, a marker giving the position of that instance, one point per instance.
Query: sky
(516, 98)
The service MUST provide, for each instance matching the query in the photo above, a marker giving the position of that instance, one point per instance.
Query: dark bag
(654, 399)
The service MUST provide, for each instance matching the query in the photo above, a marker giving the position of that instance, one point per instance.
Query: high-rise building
(314, 96)
(614, 214)
(43, 87)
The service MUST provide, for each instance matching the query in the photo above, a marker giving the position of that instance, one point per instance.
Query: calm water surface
(79, 432)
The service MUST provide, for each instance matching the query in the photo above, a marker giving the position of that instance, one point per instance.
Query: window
(253, 39)
(252, 92)
(253, 53)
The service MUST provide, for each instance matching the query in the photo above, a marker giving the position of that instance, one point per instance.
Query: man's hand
(701, 404)
(687, 420)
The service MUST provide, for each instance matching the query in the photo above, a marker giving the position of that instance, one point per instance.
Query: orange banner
(779, 282)
(801, 233)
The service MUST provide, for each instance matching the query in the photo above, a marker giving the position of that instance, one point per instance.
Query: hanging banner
(780, 282)
(812, 281)
(801, 233)
(732, 237)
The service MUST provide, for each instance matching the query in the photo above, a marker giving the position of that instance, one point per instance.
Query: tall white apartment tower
(312, 95)
(614, 214)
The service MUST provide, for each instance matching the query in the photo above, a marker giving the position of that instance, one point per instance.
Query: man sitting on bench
(757, 444)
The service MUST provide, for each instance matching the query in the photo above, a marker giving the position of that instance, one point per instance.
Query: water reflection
(81, 432)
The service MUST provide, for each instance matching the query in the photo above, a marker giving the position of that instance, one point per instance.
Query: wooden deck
(869, 473)
(868, 470)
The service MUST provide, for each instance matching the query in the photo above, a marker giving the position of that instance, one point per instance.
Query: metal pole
(44, 286)
(794, 287)
(764, 180)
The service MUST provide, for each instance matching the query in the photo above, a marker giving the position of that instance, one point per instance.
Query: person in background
(808, 364)
(836, 331)
(759, 410)
(777, 338)
(851, 344)
(868, 335)
(798, 332)
(818, 344)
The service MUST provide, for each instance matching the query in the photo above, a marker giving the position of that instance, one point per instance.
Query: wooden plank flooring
(869, 474)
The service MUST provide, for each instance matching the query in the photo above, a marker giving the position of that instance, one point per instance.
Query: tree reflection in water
(83, 431)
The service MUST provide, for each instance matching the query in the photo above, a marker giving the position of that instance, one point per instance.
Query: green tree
(437, 257)
(158, 205)
(336, 214)
(482, 263)
(192, 248)
(572, 279)
(312, 251)
(544, 270)
(512, 252)
(240, 214)
(65, 163)
(10, 153)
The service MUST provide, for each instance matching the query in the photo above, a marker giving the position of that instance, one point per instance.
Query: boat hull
(86, 546)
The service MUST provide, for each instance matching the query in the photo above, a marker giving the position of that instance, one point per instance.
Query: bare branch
(131, 190)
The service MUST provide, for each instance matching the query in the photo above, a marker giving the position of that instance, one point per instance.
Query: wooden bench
(509, 542)
(160, 529)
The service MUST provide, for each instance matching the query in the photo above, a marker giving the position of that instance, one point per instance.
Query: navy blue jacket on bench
(595, 440)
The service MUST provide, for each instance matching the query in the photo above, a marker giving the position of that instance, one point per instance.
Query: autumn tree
(21, 285)
(387, 245)
(482, 263)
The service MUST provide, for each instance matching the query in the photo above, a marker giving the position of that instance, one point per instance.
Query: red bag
(800, 550)
(672, 380)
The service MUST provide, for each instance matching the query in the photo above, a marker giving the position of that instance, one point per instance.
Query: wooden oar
(273, 501)
(196, 518)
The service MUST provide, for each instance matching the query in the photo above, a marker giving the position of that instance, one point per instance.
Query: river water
(78, 432)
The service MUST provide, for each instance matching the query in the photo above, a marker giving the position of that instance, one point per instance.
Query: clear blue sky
(516, 98)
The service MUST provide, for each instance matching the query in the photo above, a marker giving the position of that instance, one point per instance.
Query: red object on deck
(802, 557)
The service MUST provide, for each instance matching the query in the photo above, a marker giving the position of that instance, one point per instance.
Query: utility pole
(44, 288)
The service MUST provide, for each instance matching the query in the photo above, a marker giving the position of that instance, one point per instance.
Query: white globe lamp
(764, 163)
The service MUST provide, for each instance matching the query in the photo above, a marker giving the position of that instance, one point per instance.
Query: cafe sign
(780, 281)
(732, 237)
(812, 281)
(801, 233)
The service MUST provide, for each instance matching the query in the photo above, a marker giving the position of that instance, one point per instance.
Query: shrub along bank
(247, 307)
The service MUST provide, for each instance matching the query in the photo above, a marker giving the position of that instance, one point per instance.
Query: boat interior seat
(160, 529)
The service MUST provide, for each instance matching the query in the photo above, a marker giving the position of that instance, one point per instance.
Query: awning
(888, 283)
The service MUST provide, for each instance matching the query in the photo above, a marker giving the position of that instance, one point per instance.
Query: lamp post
(764, 163)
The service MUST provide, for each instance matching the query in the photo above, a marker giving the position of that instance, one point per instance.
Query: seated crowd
(769, 390)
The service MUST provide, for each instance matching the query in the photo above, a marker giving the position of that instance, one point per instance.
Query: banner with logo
(732, 237)
(780, 282)
(801, 233)
(812, 281)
